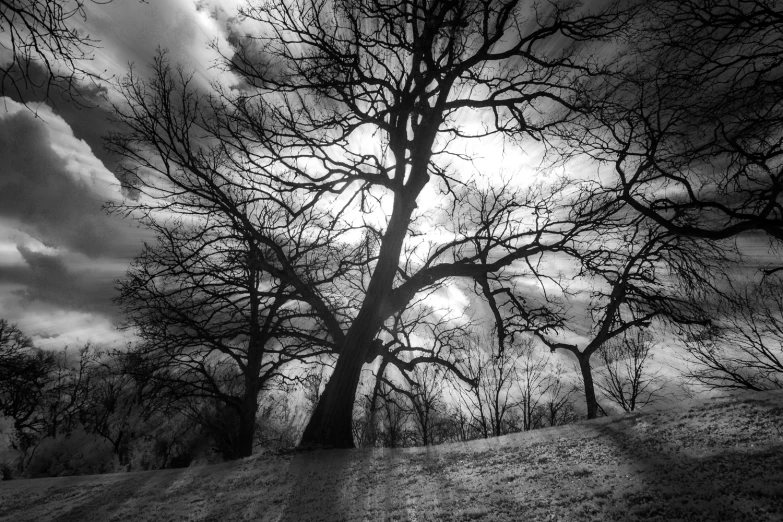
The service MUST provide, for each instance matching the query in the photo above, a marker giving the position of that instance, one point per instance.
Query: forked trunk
(247, 429)
(247, 420)
(587, 378)
(330, 424)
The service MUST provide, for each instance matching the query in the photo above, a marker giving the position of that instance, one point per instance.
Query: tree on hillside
(425, 393)
(558, 407)
(687, 130)
(361, 108)
(742, 348)
(536, 383)
(124, 401)
(69, 390)
(213, 323)
(623, 375)
(47, 50)
(495, 391)
(25, 376)
(630, 275)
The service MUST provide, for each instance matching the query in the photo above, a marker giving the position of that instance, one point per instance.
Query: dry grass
(712, 460)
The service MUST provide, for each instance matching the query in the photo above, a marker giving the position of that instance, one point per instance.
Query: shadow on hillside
(101, 501)
(367, 484)
(740, 483)
(318, 482)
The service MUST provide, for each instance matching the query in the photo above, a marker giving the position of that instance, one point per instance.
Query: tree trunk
(587, 378)
(330, 424)
(372, 434)
(247, 426)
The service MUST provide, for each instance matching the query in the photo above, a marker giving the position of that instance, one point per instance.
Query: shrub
(78, 453)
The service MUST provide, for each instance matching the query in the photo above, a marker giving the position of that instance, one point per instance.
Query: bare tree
(426, 400)
(322, 80)
(631, 275)
(213, 323)
(25, 376)
(124, 401)
(394, 416)
(558, 406)
(535, 382)
(624, 376)
(741, 348)
(495, 389)
(48, 52)
(69, 390)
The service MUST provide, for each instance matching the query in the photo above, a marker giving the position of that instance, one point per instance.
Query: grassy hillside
(720, 459)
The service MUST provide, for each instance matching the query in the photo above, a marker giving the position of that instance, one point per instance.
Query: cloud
(60, 253)
(131, 32)
(50, 279)
(54, 187)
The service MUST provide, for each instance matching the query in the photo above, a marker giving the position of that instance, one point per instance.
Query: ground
(718, 459)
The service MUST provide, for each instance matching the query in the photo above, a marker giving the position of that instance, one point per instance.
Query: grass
(720, 459)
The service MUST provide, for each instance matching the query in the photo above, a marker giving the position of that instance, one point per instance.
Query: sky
(60, 253)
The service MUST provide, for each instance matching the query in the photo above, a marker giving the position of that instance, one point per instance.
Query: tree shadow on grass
(96, 500)
(706, 478)
(320, 486)
(365, 484)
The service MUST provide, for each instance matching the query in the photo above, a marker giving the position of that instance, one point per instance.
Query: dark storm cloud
(48, 279)
(50, 203)
(83, 108)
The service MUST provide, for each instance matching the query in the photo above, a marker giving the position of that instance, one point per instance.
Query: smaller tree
(495, 379)
(123, 401)
(393, 416)
(425, 397)
(558, 406)
(535, 383)
(511, 385)
(25, 374)
(623, 375)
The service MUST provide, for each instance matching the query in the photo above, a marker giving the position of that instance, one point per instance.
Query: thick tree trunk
(247, 428)
(372, 434)
(587, 378)
(248, 410)
(330, 425)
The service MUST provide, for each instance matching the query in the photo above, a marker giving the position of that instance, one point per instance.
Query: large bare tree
(361, 107)
(327, 76)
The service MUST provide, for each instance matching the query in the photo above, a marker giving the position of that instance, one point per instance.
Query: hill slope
(720, 459)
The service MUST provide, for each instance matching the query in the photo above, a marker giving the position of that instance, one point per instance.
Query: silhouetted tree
(322, 81)
(630, 275)
(25, 377)
(624, 376)
(213, 324)
(496, 388)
